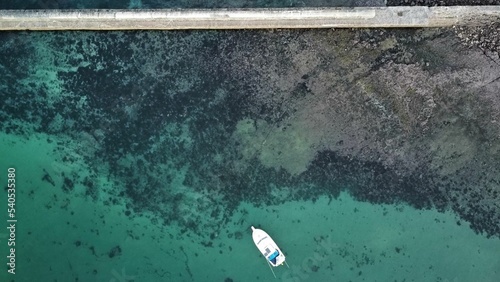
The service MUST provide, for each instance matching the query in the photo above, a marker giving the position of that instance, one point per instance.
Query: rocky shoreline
(431, 3)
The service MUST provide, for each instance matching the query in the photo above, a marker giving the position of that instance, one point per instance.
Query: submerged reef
(189, 124)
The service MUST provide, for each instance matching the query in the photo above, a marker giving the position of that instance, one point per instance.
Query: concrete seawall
(166, 19)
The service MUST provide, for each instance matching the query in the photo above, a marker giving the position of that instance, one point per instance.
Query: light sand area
(337, 240)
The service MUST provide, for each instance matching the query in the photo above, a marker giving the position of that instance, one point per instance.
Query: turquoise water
(368, 155)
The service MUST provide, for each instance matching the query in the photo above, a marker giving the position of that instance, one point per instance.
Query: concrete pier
(167, 19)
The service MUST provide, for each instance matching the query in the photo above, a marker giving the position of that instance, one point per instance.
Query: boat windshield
(273, 256)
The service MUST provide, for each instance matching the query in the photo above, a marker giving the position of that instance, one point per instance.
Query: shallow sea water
(67, 237)
(147, 156)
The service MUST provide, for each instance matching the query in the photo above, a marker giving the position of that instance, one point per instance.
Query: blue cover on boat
(273, 256)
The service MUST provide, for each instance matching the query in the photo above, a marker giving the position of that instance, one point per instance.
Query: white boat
(269, 249)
